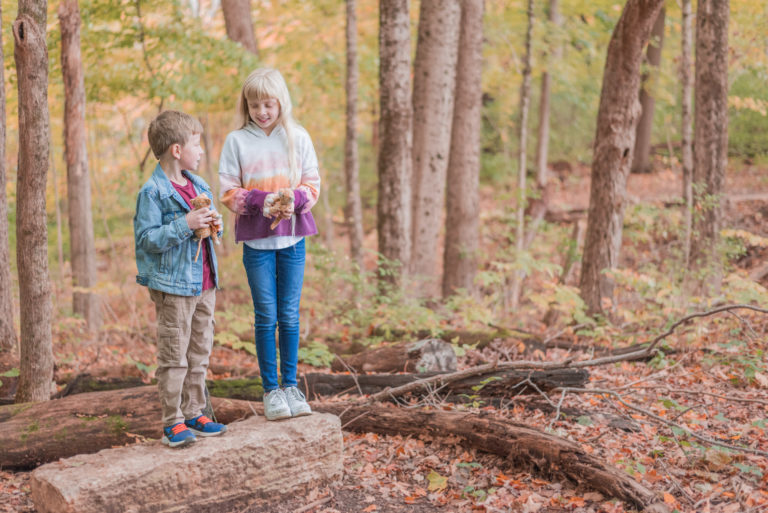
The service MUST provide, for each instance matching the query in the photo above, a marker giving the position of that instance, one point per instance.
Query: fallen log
(420, 356)
(36, 433)
(545, 454)
(317, 386)
(244, 469)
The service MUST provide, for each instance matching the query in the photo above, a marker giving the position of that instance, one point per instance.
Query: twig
(318, 502)
(652, 415)
(351, 372)
(719, 396)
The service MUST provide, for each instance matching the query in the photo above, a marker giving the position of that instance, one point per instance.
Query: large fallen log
(318, 385)
(545, 454)
(36, 433)
(421, 356)
(250, 467)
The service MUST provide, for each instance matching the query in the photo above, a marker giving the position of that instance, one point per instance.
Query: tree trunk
(354, 209)
(239, 24)
(32, 434)
(421, 356)
(395, 121)
(434, 81)
(710, 139)
(545, 454)
(82, 253)
(525, 98)
(614, 143)
(7, 330)
(641, 163)
(463, 175)
(686, 130)
(542, 145)
(31, 55)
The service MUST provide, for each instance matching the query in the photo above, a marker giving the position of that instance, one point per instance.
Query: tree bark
(463, 174)
(7, 329)
(354, 210)
(82, 253)
(542, 145)
(614, 143)
(710, 139)
(686, 130)
(522, 193)
(31, 56)
(421, 356)
(395, 121)
(32, 434)
(434, 82)
(641, 163)
(239, 24)
(523, 446)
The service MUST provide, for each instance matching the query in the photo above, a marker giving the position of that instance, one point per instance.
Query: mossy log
(36, 433)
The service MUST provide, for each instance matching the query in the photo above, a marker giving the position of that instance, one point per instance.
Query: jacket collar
(166, 188)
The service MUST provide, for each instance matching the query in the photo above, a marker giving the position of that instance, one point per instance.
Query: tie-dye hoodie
(252, 165)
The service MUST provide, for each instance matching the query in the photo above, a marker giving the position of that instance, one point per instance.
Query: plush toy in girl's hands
(202, 201)
(279, 205)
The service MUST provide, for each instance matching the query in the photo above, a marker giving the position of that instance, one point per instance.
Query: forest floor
(712, 382)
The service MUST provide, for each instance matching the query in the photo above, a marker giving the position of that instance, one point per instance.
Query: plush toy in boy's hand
(202, 201)
(279, 205)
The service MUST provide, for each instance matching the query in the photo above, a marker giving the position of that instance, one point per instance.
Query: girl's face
(265, 113)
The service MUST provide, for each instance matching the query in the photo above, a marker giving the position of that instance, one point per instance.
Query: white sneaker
(297, 402)
(275, 405)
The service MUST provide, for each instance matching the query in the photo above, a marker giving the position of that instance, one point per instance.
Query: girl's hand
(269, 209)
(199, 218)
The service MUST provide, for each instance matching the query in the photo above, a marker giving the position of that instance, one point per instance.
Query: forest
(539, 282)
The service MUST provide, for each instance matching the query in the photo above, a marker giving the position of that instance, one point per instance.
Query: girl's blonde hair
(263, 84)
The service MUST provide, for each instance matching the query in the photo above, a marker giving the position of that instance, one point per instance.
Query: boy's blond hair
(263, 84)
(169, 128)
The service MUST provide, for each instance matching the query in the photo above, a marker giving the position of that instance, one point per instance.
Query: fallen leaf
(437, 482)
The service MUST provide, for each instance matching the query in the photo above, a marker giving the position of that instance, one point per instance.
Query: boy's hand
(199, 218)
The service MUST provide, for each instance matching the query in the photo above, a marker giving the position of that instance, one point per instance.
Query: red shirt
(188, 193)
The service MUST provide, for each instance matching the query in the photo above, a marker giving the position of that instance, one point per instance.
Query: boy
(182, 288)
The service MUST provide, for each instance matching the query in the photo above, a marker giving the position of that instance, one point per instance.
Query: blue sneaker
(203, 426)
(178, 435)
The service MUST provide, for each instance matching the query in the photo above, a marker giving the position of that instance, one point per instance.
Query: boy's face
(190, 153)
(264, 113)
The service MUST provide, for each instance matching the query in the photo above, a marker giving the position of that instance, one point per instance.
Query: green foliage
(316, 354)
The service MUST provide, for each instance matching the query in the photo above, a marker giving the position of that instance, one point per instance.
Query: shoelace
(178, 428)
(202, 419)
(274, 398)
(297, 394)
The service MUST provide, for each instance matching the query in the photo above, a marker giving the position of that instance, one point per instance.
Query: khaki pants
(184, 342)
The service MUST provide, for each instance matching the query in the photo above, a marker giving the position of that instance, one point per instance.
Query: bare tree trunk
(614, 142)
(710, 139)
(434, 82)
(83, 255)
(525, 99)
(31, 55)
(687, 129)
(354, 209)
(395, 121)
(7, 330)
(542, 146)
(57, 209)
(462, 198)
(239, 24)
(642, 160)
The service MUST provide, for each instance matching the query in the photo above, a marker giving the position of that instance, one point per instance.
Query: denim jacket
(165, 245)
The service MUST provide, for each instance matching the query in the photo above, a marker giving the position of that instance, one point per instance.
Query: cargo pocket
(168, 350)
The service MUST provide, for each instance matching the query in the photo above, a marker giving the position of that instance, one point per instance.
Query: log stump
(254, 462)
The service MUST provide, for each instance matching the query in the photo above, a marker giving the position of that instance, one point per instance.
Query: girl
(271, 153)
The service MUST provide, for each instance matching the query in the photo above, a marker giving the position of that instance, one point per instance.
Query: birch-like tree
(239, 23)
(353, 210)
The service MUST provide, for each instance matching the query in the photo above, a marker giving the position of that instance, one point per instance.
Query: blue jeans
(275, 278)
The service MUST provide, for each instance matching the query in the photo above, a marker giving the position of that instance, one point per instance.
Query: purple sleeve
(254, 201)
(300, 200)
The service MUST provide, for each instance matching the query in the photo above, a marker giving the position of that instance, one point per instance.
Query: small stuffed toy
(279, 205)
(202, 201)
